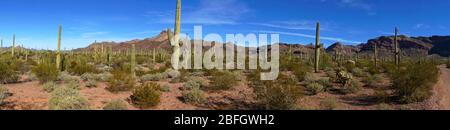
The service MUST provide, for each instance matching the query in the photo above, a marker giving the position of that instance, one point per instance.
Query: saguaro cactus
(317, 48)
(133, 60)
(109, 55)
(175, 40)
(14, 45)
(375, 55)
(1, 44)
(58, 52)
(397, 48)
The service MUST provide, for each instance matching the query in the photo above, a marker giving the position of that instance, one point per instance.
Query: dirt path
(441, 98)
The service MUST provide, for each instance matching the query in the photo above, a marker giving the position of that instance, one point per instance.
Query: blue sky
(35, 22)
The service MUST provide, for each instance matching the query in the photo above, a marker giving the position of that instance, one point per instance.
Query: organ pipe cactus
(14, 45)
(397, 48)
(133, 61)
(58, 52)
(375, 55)
(317, 48)
(175, 38)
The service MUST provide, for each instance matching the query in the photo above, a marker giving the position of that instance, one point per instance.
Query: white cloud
(311, 36)
(208, 12)
(358, 4)
(421, 26)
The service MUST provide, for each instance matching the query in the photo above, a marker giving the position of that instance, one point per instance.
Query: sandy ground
(441, 97)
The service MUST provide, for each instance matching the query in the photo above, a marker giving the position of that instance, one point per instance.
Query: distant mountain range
(410, 46)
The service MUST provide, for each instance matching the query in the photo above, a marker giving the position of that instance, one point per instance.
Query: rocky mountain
(410, 46)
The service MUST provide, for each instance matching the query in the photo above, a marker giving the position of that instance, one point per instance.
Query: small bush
(73, 84)
(326, 82)
(353, 87)
(116, 105)
(173, 73)
(301, 71)
(329, 104)
(154, 77)
(87, 76)
(358, 72)
(315, 88)
(146, 96)
(91, 83)
(223, 81)
(281, 94)
(191, 85)
(310, 78)
(7, 74)
(194, 96)
(81, 67)
(64, 98)
(381, 96)
(3, 94)
(49, 86)
(103, 77)
(414, 82)
(121, 81)
(373, 80)
(46, 72)
(165, 88)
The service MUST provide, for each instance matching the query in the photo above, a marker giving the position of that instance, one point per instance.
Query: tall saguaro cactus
(58, 52)
(133, 61)
(397, 48)
(14, 45)
(175, 38)
(1, 44)
(317, 48)
(375, 55)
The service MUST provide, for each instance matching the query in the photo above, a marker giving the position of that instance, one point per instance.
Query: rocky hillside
(411, 46)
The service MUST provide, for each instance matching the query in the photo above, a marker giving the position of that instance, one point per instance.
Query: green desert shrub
(7, 74)
(281, 94)
(116, 105)
(358, 72)
(49, 86)
(3, 94)
(223, 80)
(373, 80)
(91, 83)
(326, 82)
(154, 77)
(165, 88)
(81, 67)
(46, 72)
(301, 71)
(310, 78)
(381, 96)
(103, 77)
(353, 87)
(414, 82)
(147, 95)
(329, 104)
(64, 98)
(194, 96)
(191, 85)
(173, 73)
(315, 88)
(121, 81)
(87, 76)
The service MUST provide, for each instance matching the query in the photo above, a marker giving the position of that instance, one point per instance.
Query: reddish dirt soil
(441, 92)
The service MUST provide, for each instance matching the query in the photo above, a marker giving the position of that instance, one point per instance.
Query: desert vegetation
(103, 77)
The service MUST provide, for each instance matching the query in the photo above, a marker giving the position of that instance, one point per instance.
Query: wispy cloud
(293, 25)
(208, 12)
(421, 26)
(358, 4)
(312, 36)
